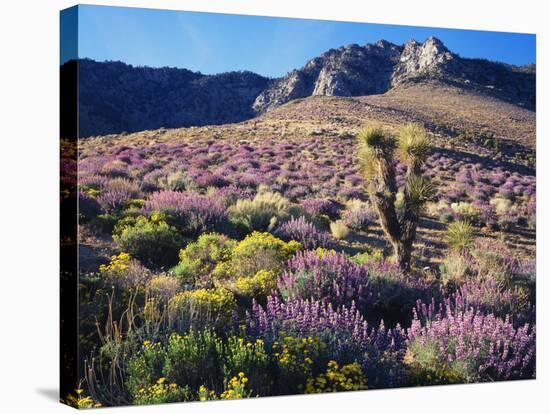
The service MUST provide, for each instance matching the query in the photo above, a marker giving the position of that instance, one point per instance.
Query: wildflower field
(260, 259)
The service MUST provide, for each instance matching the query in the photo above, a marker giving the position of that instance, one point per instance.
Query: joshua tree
(398, 209)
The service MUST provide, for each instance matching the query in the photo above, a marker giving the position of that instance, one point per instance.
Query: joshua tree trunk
(402, 252)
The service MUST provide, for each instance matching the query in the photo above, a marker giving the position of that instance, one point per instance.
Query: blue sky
(214, 43)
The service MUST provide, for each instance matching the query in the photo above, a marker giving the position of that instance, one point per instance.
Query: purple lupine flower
(318, 206)
(487, 348)
(303, 231)
(345, 332)
(330, 277)
(195, 213)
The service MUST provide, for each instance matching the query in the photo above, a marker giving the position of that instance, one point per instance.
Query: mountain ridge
(116, 97)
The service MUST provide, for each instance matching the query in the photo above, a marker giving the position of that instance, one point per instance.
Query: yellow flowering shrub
(207, 395)
(162, 392)
(257, 251)
(216, 304)
(259, 285)
(295, 358)
(118, 265)
(236, 388)
(250, 356)
(345, 378)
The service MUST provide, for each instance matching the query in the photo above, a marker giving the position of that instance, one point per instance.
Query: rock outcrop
(376, 68)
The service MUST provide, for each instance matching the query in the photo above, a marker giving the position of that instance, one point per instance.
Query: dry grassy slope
(446, 112)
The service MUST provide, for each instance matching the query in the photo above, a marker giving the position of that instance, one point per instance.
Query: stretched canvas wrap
(256, 206)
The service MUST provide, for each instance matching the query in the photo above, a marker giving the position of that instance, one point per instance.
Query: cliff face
(115, 97)
(372, 69)
(347, 71)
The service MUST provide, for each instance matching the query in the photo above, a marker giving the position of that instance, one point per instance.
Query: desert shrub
(234, 389)
(154, 242)
(454, 269)
(488, 296)
(125, 272)
(304, 232)
(88, 207)
(459, 235)
(201, 306)
(198, 259)
(446, 217)
(358, 220)
(330, 277)
(339, 229)
(145, 367)
(192, 213)
(492, 259)
(457, 344)
(262, 213)
(319, 206)
(161, 393)
(358, 215)
(258, 286)
(345, 378)
(105, 223)
(250, 356)
(368, 257)
(176, 181)
(162, 287)
(195, 359)
(296, 358)
(257, 251)
(467, 212)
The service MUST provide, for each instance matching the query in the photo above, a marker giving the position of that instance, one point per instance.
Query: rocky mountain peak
(421, 59)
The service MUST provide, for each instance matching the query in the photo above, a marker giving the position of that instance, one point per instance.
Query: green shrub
(460, 235)
(145, 367)
(424, 365)
(195, 359)
(154, 242)
(104, 222)
(199, 258)
(201, 307)
(376, 256)
(251, 357)
(261, 213)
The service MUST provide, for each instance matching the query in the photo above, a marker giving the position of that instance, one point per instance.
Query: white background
(29, 67)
